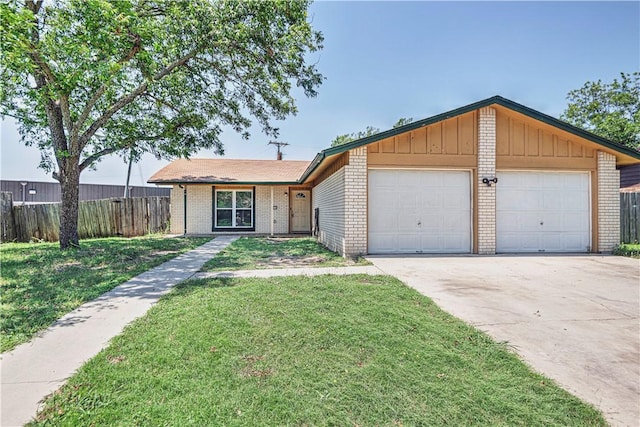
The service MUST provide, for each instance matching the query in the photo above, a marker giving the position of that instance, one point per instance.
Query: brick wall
(329, 197)
(486, 194)
(199, 210)
(264, 208)
(177, 210)
(355, 222)
(608, 202)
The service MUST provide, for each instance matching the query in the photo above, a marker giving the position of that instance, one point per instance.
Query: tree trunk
(69, 186)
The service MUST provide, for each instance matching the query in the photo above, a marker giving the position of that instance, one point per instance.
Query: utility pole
(279, 144)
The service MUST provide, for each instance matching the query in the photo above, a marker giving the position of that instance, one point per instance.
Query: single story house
(490, 177)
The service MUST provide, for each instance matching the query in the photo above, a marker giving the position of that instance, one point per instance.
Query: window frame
(233, 209)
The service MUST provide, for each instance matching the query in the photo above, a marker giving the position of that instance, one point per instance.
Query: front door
(300, 211)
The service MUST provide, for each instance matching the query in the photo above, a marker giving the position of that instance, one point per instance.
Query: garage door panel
(387, 243)
(542, 212)
(432, 211)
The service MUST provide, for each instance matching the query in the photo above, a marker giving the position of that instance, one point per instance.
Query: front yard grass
(249, 253)
(325, 350)
(628, 249)
(40, 283)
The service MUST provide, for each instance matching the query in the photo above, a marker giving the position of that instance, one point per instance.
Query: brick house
(490, 177)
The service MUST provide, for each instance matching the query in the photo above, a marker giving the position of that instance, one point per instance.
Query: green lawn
(41, 283)
(248, 253)
(628, 249)
(302, 351)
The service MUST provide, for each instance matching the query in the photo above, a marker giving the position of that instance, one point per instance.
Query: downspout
(272, 208)
(184, 204)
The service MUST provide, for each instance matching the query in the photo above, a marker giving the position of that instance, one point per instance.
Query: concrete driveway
(573, 318)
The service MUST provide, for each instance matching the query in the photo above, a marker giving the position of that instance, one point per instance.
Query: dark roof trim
(463, 110)
(224, 183)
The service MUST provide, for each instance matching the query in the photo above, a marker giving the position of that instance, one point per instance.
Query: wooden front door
(300, 211)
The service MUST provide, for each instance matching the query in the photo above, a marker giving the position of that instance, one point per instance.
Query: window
(233, 209)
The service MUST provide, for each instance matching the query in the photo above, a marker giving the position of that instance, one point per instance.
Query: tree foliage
(348, 137)
(87, 78)
(611, 110)
(369, 130)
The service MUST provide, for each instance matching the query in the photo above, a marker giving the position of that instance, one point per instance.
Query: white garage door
(419, 211)
(542, 212)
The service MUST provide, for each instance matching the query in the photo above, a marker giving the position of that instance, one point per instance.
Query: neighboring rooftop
(230, 171)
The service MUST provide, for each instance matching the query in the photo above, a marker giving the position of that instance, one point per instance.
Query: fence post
(7, 222)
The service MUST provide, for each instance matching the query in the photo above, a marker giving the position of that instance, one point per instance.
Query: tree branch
(137, 47)
(95, 156)
(127, 99)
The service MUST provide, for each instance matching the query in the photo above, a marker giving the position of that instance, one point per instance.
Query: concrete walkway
(35, 369)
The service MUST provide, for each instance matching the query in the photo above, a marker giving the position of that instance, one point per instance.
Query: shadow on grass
(189, 286)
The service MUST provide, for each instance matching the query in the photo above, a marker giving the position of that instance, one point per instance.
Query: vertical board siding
(96, 218)
(7, 223)
(526, 143)
(630, 217)
(451, 143)
(328, 196)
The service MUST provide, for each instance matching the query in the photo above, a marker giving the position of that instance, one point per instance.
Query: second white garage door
(542, 212)
(418, 211)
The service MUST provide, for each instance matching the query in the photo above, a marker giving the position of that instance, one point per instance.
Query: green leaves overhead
(158, 76)
(87, 78)
(611, 110)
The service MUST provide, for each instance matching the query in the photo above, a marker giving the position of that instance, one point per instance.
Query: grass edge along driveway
(325, 350)
(40, 283)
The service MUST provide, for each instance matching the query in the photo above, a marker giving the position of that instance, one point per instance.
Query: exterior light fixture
(488, 181)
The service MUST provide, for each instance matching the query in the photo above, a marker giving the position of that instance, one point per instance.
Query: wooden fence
(629, 217)
(96, 218)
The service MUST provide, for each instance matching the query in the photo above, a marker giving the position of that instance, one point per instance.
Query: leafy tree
(611, 110)
(370, 130)
(403, 121)
(87, 78)
(348, 137)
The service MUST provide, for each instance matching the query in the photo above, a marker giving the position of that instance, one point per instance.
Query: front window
(234, 209)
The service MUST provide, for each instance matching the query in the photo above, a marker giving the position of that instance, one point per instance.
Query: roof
(495, 100)
(630, 179)
(230, 171)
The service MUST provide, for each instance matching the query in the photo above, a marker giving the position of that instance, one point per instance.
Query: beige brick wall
(486, 168)
(199, 209)
(355, 183)
(329, 197)
(264, 209)
(177, 210)
(608, 202)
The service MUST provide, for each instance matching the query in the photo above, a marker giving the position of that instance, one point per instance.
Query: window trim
(233, 209)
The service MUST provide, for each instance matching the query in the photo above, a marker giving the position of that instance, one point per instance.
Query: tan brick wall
(608, 202)
(199, 209)
(177, 210)
(264, 208)
(486, 168)
(355, 183)
(329, 197)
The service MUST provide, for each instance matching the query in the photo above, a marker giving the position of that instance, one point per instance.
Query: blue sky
(386, 60)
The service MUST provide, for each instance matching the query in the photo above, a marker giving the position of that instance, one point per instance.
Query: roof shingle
(230, 171)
